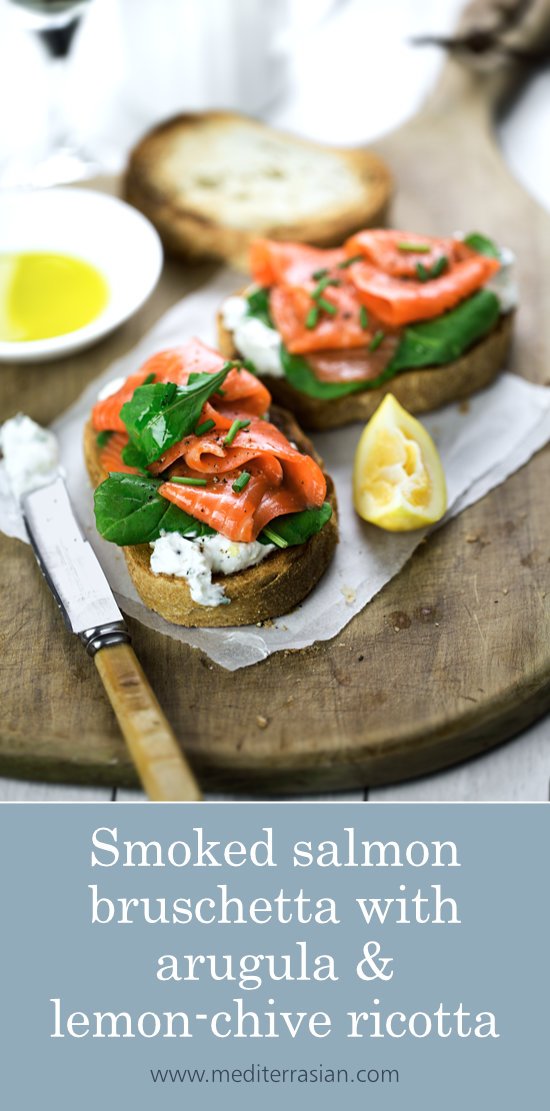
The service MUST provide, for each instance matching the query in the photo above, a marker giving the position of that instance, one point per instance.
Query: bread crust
(418, 391)
(272, 588)
(189, 231)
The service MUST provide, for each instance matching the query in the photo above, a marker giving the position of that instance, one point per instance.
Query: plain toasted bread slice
(273, 587)
(213, 181)
(418, 391)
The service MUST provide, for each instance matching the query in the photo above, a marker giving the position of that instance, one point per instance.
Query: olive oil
(44, 294)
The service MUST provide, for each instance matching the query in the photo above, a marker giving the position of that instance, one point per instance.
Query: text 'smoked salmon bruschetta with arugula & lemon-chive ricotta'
(332, 331)
(219, 502)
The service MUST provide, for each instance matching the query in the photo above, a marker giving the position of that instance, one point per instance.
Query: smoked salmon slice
(394, 251)
(397, 301)
(110, 456)
(176, 365)
(339, 300)
(106, 413)
(291, 307)
(272, 262)
(356, 364)
(282, 480)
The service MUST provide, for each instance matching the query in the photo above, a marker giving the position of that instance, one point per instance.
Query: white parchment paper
(502, 427)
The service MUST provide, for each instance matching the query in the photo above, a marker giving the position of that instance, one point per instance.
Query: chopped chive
(242, 481)
(349, 262)
(150, 378)
(376, 340)
(312, 317)
(363, 318)
(317, 274)
(205, 427)
(322, 285)
(426, 273)
(182, 481)
(439, 266)
(235, 427)
(275, 538)
(415, 248)
(103, 438)
(327, 306)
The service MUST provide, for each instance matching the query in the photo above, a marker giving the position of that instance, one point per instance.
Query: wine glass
(54, 22)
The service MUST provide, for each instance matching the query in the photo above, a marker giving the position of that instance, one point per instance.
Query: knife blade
(82, 592)
(67, 561)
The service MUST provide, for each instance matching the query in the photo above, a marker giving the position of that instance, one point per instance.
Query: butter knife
(85, 599)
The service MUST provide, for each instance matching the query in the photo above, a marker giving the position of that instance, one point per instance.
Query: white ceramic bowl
(102, 230)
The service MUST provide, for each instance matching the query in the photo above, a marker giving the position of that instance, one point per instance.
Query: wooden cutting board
(452, 657)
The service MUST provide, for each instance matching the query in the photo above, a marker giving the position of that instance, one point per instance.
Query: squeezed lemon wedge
(398, 479)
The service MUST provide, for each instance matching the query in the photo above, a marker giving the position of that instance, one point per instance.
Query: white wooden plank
(18, 790)
(518, 771)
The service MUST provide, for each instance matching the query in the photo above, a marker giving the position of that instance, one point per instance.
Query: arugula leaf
(482, 244)
(258, 306)
(133, 457)
(296, 528)
(129, 510)
(161, 414)
(440, 341)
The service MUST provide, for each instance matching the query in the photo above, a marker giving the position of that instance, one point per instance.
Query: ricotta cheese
(503, 283)
(254, 340)
(31, 454)
(197, 559)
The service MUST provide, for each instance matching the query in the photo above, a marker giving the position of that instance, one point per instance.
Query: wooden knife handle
(494, 47)
(159, 760)
(507, 32)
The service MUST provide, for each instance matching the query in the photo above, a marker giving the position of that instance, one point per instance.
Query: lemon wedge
(398, 479)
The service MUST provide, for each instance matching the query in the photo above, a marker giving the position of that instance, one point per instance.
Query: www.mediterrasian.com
(265, 1074)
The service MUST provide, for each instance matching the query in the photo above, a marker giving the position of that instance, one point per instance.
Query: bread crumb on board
(348, 594)
(262, 722)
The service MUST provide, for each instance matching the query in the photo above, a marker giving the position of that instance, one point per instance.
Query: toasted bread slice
(212, 181)
(418, 391)
(273, 587)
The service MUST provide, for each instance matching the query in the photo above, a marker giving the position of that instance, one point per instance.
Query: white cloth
(501, 429)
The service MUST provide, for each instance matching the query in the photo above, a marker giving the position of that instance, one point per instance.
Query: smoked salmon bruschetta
(218, 501)
(331, 331)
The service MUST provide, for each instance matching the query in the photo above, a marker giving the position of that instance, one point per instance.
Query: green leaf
(160, 415)
(130, 510)
(296, 528)
(482, 244)
(133, 457)
(258, 306)
(440, 341)
(102, 438)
